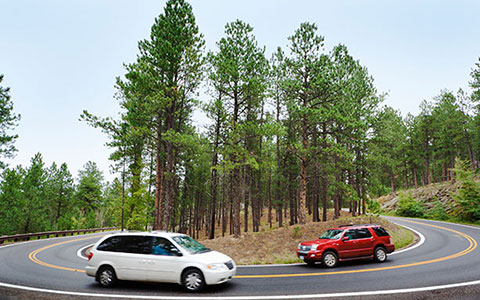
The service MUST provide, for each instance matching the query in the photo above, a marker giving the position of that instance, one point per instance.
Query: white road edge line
(421, 236)
(80, 251)
(331, 295)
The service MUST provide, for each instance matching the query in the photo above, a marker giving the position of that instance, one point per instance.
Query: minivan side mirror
(345, 238)
(176, 252)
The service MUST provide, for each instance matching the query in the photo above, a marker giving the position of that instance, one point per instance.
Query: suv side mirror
(345, 238)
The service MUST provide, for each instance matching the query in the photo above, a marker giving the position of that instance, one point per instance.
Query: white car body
(216, 267)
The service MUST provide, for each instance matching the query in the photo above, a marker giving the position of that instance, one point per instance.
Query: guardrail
(38, 235)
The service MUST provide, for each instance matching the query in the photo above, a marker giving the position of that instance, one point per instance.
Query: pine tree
(8, 121)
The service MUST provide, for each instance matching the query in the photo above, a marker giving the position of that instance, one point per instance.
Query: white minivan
(160, 257)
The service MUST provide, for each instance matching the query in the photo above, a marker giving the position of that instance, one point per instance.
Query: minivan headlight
(217, 267)
(315, 246)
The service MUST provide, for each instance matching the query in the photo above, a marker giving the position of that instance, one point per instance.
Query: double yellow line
(472, 246)
(33, 256)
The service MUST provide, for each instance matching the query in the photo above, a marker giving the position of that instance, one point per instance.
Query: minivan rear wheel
(193, 280)
(106, 276)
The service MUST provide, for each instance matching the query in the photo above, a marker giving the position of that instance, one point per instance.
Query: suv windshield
(190, 244)
(332, 234)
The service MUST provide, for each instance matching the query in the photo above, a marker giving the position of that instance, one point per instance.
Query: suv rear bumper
(390, 248)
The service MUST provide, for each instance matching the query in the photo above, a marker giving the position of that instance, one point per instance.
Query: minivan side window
(127, 244)
(137, 244)
(163, 246)
(111, 244)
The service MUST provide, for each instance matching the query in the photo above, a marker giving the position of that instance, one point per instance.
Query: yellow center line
(472, 246)
(33, 256)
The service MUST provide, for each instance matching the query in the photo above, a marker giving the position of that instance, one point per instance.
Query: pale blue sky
(60, 57)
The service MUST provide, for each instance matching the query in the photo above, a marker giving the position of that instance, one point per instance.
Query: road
(446, 263)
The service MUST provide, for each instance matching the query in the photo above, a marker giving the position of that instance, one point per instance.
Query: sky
(62, 57)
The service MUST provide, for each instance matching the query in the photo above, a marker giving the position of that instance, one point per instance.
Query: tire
(380, 254)
(329, 259)
(106, 276)
(193, 280)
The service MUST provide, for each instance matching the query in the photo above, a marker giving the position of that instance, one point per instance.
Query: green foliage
(296, 232)
(468, 193)
(373, 207)
(437, 212)
(8, 120)
(407, 206)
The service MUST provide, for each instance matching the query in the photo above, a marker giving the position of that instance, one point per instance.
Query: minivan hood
(212, 257)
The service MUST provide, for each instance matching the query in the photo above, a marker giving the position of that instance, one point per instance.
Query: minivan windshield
(190, 244)
(332, 234)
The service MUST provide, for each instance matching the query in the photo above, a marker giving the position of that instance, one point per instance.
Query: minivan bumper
(217, 277)
(91, 271)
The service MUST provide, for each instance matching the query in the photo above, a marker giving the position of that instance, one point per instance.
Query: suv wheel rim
(106, 277)
(330, 260)
(381, 254)
(193, 281)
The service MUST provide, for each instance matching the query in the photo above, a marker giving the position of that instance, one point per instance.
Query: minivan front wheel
(192, 280)
(106, 276)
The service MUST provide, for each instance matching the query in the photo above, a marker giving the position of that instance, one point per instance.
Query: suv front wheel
(380, 254)
(329, 259)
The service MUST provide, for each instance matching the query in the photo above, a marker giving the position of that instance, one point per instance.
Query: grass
(278, 246)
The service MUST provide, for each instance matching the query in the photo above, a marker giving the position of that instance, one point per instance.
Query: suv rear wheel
(106, 276)
(380, 254)
(329, 259)
(192, 280)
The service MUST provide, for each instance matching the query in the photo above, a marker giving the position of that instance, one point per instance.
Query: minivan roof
(149, 233)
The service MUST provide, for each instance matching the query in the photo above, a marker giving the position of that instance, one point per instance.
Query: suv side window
(355, 234)
(352, 234)
(380, 231)
(363, 233)
(163, 246)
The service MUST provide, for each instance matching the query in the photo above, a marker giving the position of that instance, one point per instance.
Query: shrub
(374, 207)
(437, 212)
(407, 206)
(468, 193)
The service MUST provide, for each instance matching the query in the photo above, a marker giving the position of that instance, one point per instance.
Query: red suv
(347, 243)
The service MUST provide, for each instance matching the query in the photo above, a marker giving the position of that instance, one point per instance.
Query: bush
(468, 193)
(374, 207)
(437, 212)
(409, 207)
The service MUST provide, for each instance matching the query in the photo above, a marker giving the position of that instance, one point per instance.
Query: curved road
(448, 258)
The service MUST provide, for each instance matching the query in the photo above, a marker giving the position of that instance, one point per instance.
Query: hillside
(279, 245)
(426, 195)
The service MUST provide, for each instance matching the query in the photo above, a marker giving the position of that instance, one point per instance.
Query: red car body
(347, 243)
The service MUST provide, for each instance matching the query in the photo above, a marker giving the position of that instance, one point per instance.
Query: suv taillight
(90, 255)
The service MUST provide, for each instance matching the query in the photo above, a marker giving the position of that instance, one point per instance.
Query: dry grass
(279, 245)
